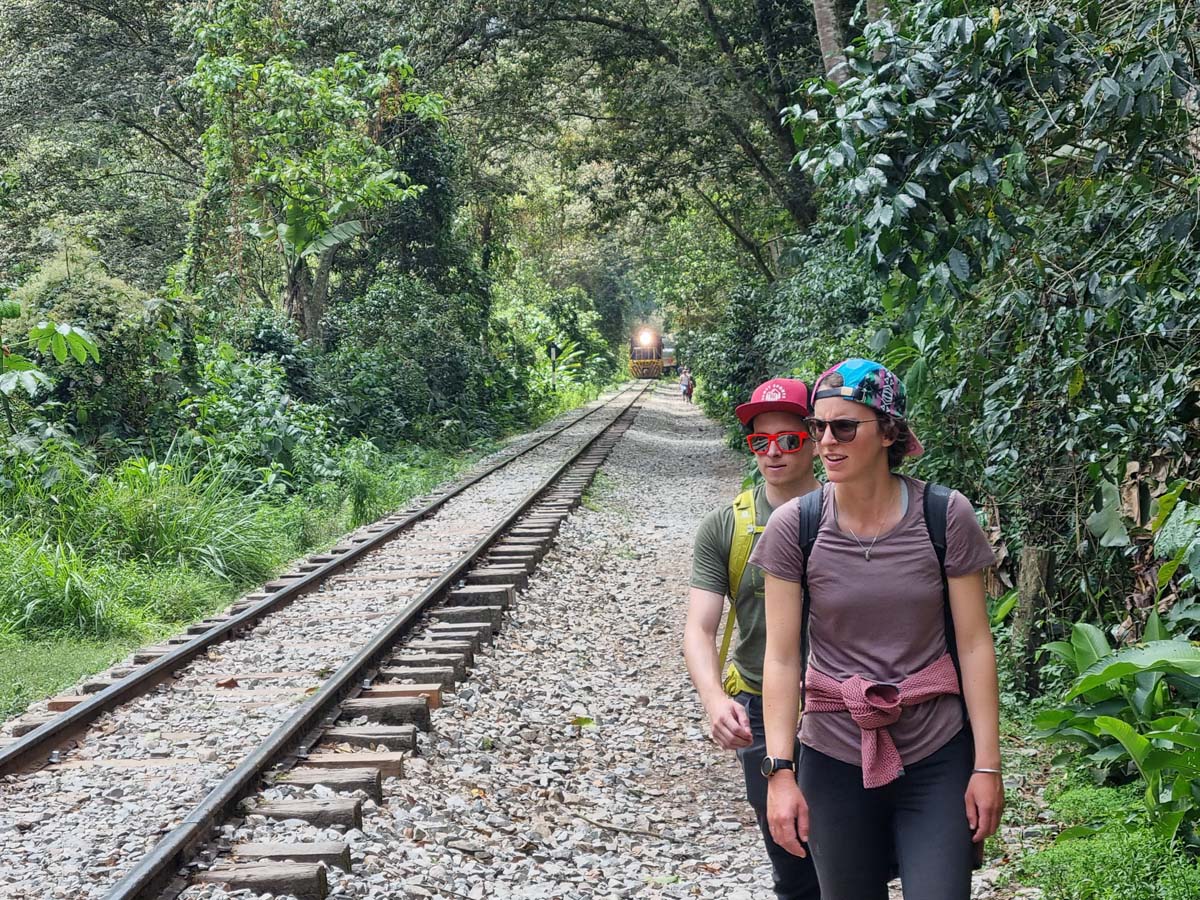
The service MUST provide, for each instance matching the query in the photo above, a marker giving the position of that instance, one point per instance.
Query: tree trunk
(297, 296)
(829, 34)
(314, 310)
(1033, 588)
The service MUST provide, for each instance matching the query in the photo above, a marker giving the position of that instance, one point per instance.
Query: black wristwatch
(772, 764)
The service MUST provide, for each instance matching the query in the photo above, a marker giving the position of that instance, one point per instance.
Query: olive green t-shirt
(710, 572)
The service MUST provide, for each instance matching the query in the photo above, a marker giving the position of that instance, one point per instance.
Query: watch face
(767, 766)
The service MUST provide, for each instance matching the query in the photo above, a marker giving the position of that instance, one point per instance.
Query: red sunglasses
(786, 441)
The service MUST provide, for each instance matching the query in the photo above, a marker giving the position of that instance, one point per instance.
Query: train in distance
(651, 353)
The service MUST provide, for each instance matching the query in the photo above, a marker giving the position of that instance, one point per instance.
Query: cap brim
(747, 411)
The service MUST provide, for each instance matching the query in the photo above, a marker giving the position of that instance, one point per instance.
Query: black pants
(852, 828)
(795, 877)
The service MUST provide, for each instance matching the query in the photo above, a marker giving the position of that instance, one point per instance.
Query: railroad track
(321, 681)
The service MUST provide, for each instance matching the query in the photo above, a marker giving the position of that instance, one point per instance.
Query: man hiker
(775, 418)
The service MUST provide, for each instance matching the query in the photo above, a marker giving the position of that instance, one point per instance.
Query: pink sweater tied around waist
(875, 706)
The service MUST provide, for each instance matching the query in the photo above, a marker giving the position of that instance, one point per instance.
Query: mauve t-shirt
(882, 619)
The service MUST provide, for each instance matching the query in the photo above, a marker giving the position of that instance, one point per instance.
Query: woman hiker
(774, 418)
(883, 635)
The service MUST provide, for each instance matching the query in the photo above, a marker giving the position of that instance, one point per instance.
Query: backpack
(935, 505)
(745, 527)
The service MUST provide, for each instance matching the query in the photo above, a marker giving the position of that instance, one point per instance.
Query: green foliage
(105, 348)
(1136, 708)
(816, 315)
(293, 147)
(1028, 177)
(243, 416)
(1115, 864)
(33, 669)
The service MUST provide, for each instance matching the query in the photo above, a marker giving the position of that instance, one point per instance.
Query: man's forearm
(700, 654)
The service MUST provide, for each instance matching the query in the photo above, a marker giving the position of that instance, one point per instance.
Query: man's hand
(787, 812)
(730, 724)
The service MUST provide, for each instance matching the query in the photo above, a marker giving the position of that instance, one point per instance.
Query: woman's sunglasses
(844, 430)
(786, 441)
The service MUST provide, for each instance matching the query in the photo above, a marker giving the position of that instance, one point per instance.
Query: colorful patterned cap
(777, 395)
(871, 384)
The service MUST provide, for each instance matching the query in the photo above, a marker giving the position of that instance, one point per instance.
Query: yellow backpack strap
(745, 527)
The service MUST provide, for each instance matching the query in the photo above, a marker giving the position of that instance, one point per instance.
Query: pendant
(867, 555)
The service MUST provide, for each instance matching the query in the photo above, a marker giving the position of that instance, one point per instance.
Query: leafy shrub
(130, 392)
(243, 417)
(1115, 864)
(1136, 708)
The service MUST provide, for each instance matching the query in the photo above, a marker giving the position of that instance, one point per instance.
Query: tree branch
(740, 235)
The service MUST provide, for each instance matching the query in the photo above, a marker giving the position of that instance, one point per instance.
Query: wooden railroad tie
(459, 615)
(479, 632)
(305, 881)
(499, 574)
(526, 563)
(367, 780)
(464, 648)
(389, 710)
(393, 737)
(431, 693)
(390, 763)
(322, 812)
(331, 853)
(501, 595)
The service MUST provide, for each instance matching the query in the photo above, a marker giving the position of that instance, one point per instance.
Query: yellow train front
(645, 353)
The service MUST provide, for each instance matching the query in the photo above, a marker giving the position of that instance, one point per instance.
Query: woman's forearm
(781, 666)
(781, 704)
(982, 695)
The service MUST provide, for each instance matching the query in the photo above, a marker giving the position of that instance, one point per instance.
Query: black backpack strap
(936, 505)
(810, 524)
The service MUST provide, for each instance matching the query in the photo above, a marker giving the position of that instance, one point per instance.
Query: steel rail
(156, 870)
(34, 747)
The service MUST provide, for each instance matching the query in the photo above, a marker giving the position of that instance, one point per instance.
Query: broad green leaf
(1106, 522)
(1004, 606)
(1089, 644)
(1155, 631)
(1157, 656)
(1166, 503)
(1179, 738)
(959, 264)
(1064, 651)
(1178, 531)
(1075, 385)
(1135, 745)
(58, 346)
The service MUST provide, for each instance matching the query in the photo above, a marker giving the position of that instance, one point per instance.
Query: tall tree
(293, 155)
(832, 38)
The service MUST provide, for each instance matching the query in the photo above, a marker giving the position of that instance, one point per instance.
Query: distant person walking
(774, 418)
(685, 380)
(881, 575)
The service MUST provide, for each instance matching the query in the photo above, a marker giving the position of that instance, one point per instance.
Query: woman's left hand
(985, 803)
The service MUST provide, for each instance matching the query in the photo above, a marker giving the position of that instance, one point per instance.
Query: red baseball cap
(777, 395)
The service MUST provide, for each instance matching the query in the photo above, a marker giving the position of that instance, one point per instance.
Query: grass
(1114, 864)
(92, 565)
(30, 670)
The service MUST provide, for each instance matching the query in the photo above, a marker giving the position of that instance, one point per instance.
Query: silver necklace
(866, 550)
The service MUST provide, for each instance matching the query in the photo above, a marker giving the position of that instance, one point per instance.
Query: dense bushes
(1023, 184)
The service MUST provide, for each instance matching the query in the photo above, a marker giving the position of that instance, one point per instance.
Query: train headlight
(646, 338)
